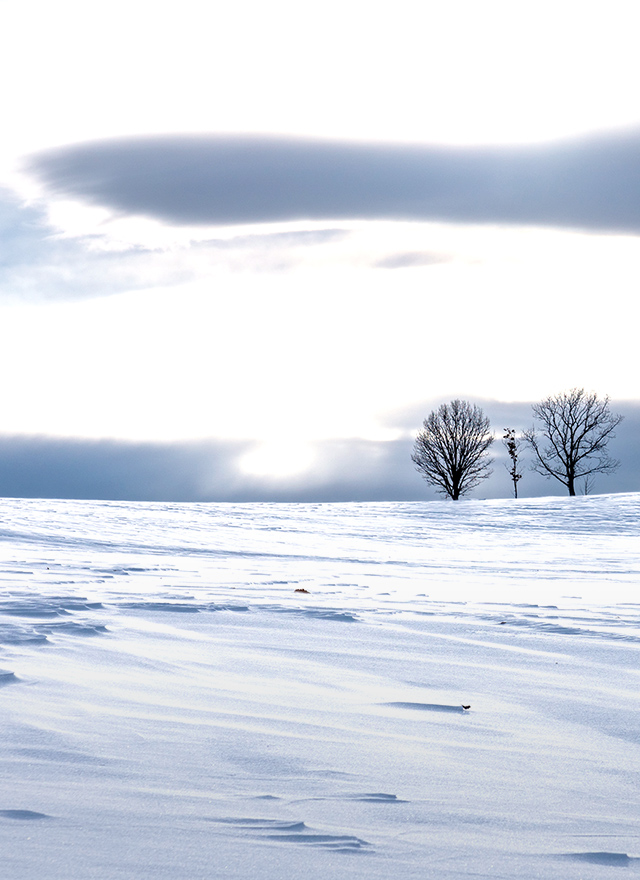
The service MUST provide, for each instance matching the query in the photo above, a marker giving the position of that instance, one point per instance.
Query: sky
(244, 251)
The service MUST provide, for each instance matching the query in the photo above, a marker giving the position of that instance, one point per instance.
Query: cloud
(51, 467)
(588, 183)
(409, 259)
(348, 469)
(268, 252)
(37, 263)
(343, 470)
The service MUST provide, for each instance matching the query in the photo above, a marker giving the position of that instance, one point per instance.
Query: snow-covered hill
(276, 691)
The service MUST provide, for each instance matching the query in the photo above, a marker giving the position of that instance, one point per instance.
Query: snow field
(174, 707)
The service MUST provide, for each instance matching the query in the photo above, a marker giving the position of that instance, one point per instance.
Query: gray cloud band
(343, 470)
(592, 183)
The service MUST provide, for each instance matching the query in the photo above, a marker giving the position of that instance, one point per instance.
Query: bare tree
(451, 449)
(513, 448)
(577, 427)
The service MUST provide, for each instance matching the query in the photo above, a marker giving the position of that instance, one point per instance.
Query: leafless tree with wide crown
(577, 427)
(451, 450)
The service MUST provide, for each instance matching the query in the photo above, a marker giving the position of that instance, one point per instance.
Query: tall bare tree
(451, 450)
(577, 427)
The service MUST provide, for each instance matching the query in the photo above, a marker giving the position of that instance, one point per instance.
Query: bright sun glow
(277, 459)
